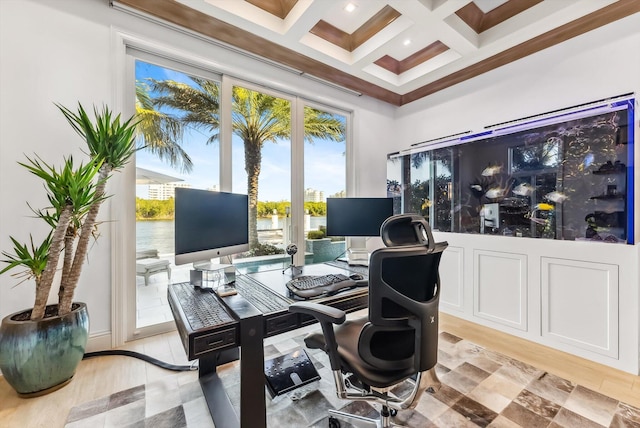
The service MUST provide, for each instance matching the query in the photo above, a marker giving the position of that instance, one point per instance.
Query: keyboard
(310, 286)
(265, 300)
(201, 307)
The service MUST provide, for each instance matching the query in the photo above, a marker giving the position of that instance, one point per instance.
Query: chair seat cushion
(347, 335)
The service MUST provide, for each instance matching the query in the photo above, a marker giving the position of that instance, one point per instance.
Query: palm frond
(33, 258)
(109, 141)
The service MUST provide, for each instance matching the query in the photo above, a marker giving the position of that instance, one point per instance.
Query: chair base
(359, 421)
(424, 381)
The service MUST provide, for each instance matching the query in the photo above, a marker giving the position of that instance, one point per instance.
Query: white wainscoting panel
(580, 304)
(452, 278)
(500, 287)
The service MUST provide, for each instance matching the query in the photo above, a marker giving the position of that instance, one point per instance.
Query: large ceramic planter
(37, 357)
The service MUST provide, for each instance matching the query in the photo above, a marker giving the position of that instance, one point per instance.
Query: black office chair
(398, 340)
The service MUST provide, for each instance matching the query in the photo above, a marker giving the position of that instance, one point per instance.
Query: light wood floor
(102, 376)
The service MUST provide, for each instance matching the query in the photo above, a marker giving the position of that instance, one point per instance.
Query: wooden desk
(260, 309)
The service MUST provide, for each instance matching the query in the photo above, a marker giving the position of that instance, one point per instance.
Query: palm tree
(257, 118)
(160, 132)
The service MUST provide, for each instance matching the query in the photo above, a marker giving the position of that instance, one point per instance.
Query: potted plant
(41, 347)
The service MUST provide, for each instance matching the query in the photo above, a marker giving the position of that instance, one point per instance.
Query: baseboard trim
(99, 342)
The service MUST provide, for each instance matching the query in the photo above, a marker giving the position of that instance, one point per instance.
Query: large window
(261, 153)
(325, 172)
(205, 131)
(179, 147)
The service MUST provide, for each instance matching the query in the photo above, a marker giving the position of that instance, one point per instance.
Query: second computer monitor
(357, 216)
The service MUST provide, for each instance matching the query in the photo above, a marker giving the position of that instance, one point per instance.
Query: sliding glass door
(325, 176)
(207, 131)
(178, 140)
(261, 168)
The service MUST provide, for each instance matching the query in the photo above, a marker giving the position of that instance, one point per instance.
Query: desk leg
(222, 412)
(253, 411)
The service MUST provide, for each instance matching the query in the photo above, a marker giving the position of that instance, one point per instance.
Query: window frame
(128, 48)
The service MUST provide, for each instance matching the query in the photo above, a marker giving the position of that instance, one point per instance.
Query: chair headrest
(406, 229)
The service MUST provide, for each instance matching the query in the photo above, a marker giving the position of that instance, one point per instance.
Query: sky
(324, 160)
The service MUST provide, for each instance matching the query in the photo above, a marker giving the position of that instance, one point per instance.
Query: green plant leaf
(33, 258)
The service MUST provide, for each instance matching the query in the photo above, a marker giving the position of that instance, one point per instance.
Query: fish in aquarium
(544, 207)
(587, 161)
(494, 193)
(491, 171)
(556, 197)
(523, 189)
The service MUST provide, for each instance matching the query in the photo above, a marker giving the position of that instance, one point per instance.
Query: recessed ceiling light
(350, 7)
(407, 42)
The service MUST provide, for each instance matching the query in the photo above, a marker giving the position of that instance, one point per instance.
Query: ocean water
(159, 234)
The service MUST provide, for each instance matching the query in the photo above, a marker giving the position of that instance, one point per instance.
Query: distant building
(312, 195)
(165, 191)
(340, 194)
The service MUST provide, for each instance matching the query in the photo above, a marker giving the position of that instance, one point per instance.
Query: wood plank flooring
(98, 377)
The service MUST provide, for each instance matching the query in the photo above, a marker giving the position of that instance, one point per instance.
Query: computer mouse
(356, 276)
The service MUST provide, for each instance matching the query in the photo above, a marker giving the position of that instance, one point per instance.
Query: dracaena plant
(75, 193)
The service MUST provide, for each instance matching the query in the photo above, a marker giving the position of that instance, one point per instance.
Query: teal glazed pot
(38, 357)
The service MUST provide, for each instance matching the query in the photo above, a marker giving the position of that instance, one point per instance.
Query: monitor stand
(212, 275)
(357, 254)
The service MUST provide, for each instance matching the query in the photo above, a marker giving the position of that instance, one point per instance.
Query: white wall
(527, 286)
(62, 51)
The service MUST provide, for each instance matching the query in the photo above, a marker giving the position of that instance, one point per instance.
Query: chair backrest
(404, 293)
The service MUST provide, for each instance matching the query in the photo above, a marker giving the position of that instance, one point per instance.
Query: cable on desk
(162, 364)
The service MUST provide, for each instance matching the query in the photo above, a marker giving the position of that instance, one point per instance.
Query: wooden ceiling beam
(479, 21)
(351, 42)
(279, 8)
(423, 55)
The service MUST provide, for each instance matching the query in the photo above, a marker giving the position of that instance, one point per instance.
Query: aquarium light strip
(433, 146)
(568, 110)
(444, 139)
(615, 103)
(474, 136)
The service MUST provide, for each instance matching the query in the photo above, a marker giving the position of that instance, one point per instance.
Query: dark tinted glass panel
(568, 180)
(210, 220)
(357, 216)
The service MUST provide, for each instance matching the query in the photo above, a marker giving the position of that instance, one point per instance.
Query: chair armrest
(327, 316)
(322, 313)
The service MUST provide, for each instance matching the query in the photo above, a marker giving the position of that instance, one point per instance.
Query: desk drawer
(306, 319)
(280, 323)
(214, 341)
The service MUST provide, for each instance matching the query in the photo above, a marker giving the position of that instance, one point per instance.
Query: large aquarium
(566, 175)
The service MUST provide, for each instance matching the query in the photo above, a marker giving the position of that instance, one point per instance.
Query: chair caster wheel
(393, 412)
(334, 423)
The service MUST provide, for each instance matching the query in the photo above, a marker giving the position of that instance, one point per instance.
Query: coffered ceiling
(393, 50)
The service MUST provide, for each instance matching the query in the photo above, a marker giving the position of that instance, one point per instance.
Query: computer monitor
(209, 224)
(357, 216)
